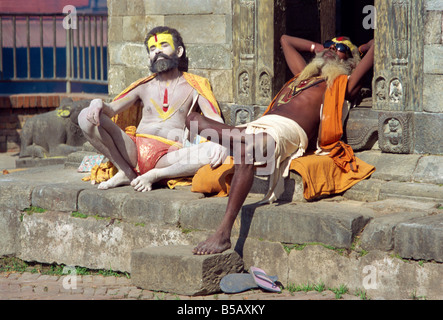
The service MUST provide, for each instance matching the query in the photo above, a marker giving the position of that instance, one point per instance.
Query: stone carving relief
(395, 91)
(380, 89)
(361, 128)
(256, 65)
(394, 132)
(241, 115)
(64, 136)
(244, 84)
(247, 27)
(400, 28)
(265, 86)
(390, 91)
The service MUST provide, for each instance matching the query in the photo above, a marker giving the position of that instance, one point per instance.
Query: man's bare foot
(119, 179)
(212, 245)
(144, 182)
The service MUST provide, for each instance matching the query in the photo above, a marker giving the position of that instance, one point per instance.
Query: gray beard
(328, 68)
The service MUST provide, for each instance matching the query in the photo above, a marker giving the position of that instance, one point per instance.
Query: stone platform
(382, 236)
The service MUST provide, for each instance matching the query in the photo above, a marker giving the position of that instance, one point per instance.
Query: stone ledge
(420, 238)
(43, 100)
(336, 224)
(29, 162)
(92, 242)
(175, 269)
(98, 243)
(336, 221)
(378, 274)
(379, 233)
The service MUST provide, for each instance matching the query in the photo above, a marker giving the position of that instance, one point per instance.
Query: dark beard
(163, 65)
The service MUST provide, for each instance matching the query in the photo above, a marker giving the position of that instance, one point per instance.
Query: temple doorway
(312, 19)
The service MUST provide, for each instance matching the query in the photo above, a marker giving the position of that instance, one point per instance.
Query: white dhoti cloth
(291, 142)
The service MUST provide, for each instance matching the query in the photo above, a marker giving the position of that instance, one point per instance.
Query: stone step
(376, 190)
(335, 223)
(36, 162)
(332, 223)
(175, 269)
(75, 240)
(119, 221)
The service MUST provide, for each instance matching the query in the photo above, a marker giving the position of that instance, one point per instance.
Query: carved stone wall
(408, 71)
(398, 79)
(235, 44)
(256, 36)
(206, 28)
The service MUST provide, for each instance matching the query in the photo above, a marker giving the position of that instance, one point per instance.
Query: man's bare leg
(221, 240)
(241, 181)
(177, 164)
(114, 144)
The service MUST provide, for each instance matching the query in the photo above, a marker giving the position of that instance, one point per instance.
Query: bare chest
(162, 104)
(303, 107)
(165, 110)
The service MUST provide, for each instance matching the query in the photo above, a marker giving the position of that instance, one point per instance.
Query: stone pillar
(327, 20)
(257, 26)
(398, 68)
(429, 123)
(407, 71)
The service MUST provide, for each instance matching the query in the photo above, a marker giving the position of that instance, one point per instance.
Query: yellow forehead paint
(157, 39)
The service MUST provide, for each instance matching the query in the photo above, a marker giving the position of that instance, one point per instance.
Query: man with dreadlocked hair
(309, 106)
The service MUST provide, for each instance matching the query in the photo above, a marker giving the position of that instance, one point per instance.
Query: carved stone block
(244, 84)
(264, 85)
(398, 58)
(241, 114)
(390, 91)
(361, 130)
(395, 132)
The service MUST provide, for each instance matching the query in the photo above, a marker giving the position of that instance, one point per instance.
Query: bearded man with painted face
(310, 106)
(142, 131)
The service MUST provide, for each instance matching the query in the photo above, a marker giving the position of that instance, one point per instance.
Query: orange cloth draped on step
(216, 182)
(321, 175)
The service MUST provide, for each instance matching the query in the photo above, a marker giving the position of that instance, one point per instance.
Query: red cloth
(149, 151)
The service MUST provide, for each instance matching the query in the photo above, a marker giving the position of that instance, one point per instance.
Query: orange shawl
(133, 115)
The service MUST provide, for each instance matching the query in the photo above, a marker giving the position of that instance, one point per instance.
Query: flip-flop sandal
(263, 280)
(239, 282)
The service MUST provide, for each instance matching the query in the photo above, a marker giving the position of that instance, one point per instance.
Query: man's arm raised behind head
(292, 46)
(354, 83)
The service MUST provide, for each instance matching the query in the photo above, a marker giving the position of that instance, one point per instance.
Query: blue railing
(37, 49)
